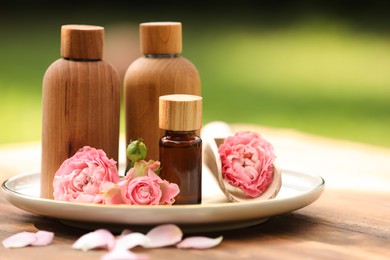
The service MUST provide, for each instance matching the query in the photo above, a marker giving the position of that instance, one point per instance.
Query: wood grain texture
(82, 42)
(161, 38)
(81, 102)
(145, 81)
(349, 221)
(179, 112)
(324, 230)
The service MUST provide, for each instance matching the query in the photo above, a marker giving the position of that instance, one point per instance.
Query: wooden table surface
(351, 220)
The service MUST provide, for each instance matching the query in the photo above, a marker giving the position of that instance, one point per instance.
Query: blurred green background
(319, 68)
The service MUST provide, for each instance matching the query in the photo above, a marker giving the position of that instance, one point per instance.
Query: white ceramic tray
(298, 190)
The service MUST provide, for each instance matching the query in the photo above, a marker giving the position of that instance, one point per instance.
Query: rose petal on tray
(100, 238)
(21, 239)
(43, 238)
(198, 242)
(164, 235)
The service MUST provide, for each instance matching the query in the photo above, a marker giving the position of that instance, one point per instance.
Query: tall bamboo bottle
(161, 71)
(80, 101)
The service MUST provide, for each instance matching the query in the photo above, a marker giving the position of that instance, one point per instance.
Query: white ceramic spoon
(213, 135)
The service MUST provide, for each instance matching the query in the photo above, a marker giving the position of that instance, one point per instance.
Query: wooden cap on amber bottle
(180, 112)
(82, 42)
(160, 38)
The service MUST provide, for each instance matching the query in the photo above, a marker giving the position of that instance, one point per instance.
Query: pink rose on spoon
(247, 162)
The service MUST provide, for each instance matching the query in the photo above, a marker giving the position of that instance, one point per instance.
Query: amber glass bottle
(180, 148)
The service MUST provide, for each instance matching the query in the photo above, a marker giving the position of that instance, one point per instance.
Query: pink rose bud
(136, 151)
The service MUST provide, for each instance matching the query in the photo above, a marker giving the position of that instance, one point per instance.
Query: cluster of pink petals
(142, 186)
(160, 236)
(247, 162)
(119, 247)
(90, 177)
(23, 239)
(80, 178)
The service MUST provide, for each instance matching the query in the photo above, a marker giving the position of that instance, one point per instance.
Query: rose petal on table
(100, 238)
(43, 238)
(131, 240)
(123, 254)
(164, 235)
(21, 239)
(125, 232)
(199, 242)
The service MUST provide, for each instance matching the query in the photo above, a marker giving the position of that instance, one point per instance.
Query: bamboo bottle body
(145, 81)
(80, 104)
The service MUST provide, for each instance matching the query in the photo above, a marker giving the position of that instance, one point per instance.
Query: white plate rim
(202, 217)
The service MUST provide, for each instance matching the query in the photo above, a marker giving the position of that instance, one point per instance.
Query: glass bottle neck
(171, 132)
(180, 135)
(82, 60)
(168, 55)
(182, 139)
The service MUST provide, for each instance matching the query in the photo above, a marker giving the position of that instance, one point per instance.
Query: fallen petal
(43, 238)
(131, 240)
(21, 239)
(125, 232)
(164, 235)
(100, 238)
(199, 242)
(123, 254)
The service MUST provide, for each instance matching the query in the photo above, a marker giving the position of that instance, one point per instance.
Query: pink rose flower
(247, 162)
(142, 186)
(142, 167)
(81, 177)
(110, 193)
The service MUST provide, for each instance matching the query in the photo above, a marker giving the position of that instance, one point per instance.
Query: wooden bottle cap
(160, 38)
(84, 42)
(180, 112)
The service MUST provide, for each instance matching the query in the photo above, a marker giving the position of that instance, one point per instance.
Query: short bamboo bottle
(160, 71)
(80, 101)
(180, 148)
